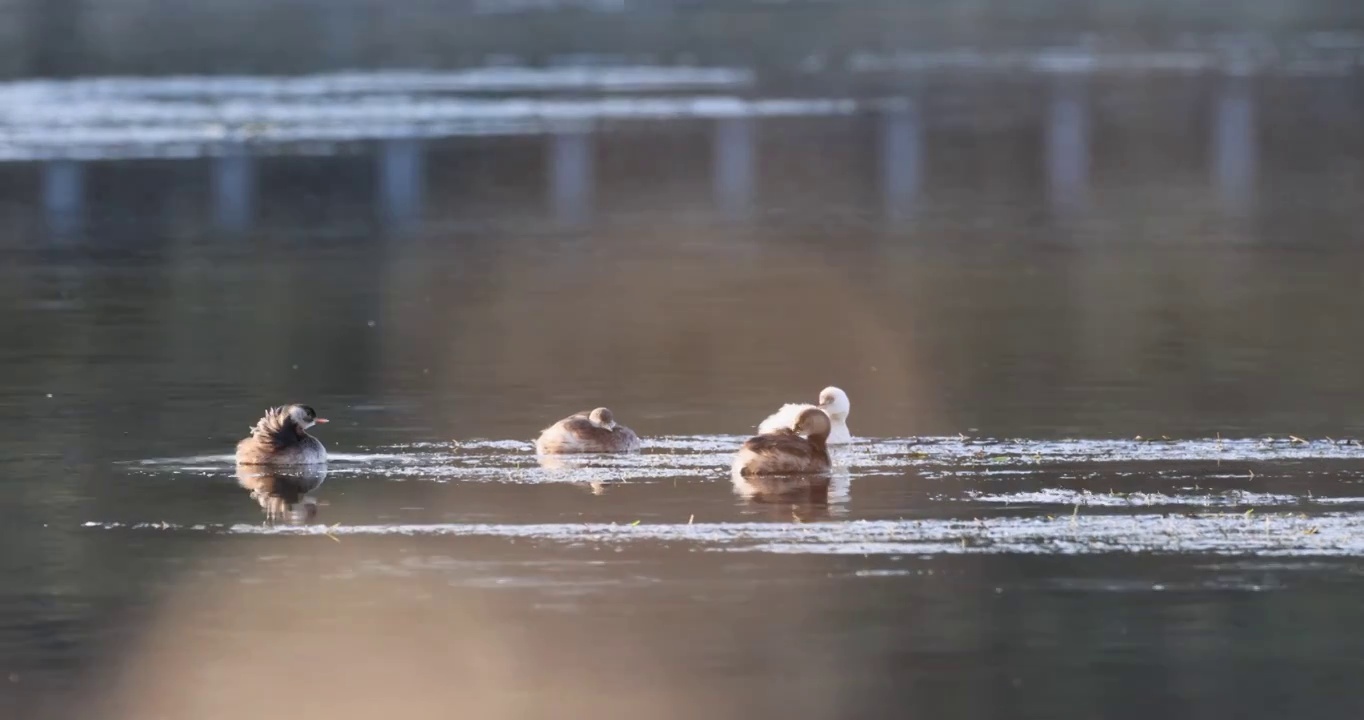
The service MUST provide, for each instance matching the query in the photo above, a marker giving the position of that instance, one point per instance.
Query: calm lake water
(1101, 341)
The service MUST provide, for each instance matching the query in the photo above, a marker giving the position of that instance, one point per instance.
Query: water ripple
(1283, 534)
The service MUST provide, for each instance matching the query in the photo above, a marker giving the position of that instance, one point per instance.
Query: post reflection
(1068, 150)
(572, 174)
(733, 158)
(1234, 145)
(402, 181)
(63, 196)
(234, 189)
(901, 157)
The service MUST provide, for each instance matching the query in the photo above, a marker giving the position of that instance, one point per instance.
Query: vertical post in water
(901, 157)
(1068, 142)
(402, 181)
(1233, 144)
(234, 188)
(63, 195)
(732, 165)
(571, 174)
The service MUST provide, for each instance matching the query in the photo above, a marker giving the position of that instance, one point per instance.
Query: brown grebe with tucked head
(280, 437)
(587, 432)
(785, 452)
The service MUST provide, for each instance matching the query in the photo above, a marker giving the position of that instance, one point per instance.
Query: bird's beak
(321, 420)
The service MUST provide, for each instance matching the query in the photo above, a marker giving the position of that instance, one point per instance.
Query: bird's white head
(834, 402)
(304, 416)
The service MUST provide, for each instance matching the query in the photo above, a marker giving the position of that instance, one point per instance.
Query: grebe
(785, 452)
(832, 401)
(280, 438)
(587, 432)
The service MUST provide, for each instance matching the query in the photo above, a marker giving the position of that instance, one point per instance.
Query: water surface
(1099, 358)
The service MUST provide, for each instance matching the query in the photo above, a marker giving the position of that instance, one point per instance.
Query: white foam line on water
(228, 461)
(364, 457)
(971, 455)
(100, 129)
(709, 457)
(1290, 60)
(1333, 534)
(531, 469)
(190, 460)
(1085, 498)
(356, 111)
(537, 475)
(985, 452)
(477, 444)
(491, 79)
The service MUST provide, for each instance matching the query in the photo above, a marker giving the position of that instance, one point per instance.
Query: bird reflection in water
(570, 463)
(805, 497)
(283, 496)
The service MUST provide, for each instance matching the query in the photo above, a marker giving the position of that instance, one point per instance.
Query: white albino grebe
(587, 432)
(832, 401)
(280, 438)
(785, 452)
